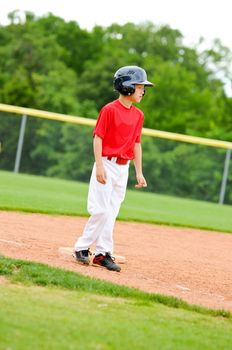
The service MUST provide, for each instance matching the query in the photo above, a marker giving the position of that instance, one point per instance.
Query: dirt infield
(190, 264)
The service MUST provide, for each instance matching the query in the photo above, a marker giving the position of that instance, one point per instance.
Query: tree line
(50, 64)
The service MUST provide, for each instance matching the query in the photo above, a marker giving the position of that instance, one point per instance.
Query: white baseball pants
(104, 201)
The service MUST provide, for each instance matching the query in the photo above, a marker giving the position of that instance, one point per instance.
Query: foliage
(50, 64)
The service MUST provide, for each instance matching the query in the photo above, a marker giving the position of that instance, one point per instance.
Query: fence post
(225, 176)
(20, 144)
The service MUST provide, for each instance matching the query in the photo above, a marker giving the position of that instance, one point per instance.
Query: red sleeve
(139, 130)
(102, 124)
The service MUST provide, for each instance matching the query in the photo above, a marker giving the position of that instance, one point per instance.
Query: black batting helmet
(126, 77)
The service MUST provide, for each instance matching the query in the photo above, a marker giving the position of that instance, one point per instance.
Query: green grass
(43, 275)
(76, 312)
(49, 308)
(54, 196)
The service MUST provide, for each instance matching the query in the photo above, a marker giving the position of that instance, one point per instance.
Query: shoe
(82, 256)
(106, 261)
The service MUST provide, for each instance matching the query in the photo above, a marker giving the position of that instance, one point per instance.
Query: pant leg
(98, 206)
(104, 241)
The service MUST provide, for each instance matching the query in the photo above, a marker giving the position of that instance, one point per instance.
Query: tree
(50, 64)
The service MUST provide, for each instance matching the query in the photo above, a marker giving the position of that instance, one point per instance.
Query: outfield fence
(25, 112)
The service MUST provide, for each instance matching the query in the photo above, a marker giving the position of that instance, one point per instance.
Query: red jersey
(120, 128)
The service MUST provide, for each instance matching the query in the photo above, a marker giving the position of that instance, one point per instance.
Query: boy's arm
(97, 150)
(138, 166)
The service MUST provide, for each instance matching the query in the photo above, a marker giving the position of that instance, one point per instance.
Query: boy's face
(138, 94)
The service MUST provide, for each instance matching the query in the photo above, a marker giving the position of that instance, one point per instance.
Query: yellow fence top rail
(91, 122)
(46, 115)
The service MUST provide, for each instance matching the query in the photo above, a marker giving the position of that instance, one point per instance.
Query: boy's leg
(104, 241)
(98, 205)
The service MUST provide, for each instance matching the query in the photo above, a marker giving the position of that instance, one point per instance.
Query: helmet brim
(146, 83)
(143, 82)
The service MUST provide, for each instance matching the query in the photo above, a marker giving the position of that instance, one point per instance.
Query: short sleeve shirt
(120, 128)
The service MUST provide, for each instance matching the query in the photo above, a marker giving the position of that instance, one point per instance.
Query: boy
(116, 141)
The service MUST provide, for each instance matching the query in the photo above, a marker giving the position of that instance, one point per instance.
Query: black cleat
(106, 261)
(82, 256)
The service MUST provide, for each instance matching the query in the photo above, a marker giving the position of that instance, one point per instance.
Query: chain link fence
(58, 145)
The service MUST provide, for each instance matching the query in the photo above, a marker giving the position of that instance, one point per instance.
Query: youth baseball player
(116, 141)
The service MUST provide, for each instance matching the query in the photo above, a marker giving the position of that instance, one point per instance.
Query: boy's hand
(101, 174)
(141, 181)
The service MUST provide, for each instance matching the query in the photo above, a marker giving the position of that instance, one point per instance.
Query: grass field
(49, 308)
(55, 196)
